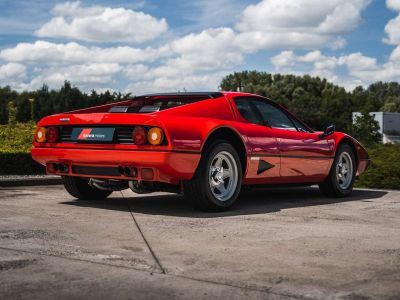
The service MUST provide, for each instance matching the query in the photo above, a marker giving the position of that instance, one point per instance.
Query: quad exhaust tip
(128, 171)
(58, 167)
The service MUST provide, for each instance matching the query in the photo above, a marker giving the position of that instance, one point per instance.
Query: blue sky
(153, 46)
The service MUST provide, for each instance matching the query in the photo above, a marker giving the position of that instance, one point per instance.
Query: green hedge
(384, 171)
(16, 138)
(15, 146)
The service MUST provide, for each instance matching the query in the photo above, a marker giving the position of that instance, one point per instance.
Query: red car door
(304, 156)
(264, 159)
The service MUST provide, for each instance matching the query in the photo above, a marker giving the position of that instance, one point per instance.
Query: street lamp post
(32, 104)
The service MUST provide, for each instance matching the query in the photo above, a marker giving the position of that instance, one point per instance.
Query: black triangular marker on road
(263, 166)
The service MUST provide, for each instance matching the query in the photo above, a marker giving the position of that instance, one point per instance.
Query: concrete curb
(27, 180)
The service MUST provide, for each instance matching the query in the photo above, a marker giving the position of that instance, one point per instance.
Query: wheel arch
(231, 135)
(347, 140)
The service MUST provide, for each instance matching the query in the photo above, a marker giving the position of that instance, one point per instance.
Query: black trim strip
(93, 170)
(189, 152)
(292, 156)
(185, 94)
(133, 150)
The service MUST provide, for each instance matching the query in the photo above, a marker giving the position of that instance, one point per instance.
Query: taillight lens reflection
(139, 135)
(52, 135)
(40, 135)
(155, 136)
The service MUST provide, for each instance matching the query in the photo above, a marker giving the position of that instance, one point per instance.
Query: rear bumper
(167, 166)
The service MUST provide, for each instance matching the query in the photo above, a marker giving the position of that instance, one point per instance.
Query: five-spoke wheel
(223, 176)
(217, 181)
(344, 170)
(339, 182)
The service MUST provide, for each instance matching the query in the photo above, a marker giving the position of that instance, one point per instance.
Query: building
(389, 124)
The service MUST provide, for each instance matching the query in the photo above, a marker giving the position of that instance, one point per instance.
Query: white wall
(389, 124)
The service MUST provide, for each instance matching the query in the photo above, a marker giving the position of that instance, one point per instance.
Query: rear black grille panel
(102, 171)
(122, 135)
(65, 134)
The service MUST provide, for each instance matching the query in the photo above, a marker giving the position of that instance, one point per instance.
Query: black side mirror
(328, 131)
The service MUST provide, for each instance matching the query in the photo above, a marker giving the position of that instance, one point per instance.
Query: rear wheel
(79, 187)
(340, 181)
(216, 184)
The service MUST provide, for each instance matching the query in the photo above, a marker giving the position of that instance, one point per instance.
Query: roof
(185, 94)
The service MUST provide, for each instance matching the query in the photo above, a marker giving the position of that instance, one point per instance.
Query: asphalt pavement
(274, 244)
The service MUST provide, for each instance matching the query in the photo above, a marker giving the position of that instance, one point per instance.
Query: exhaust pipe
(63, 168)
(121, 170)
(128, 171)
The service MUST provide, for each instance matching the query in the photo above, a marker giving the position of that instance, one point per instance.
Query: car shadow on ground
(259, 201)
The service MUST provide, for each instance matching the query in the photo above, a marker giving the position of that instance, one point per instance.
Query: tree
(366, 130)
(392, 104)
(315, 100)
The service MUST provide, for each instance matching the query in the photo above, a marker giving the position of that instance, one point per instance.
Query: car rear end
(121, 141)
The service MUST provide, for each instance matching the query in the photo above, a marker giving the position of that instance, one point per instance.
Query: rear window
(247, 110)
(154, 104)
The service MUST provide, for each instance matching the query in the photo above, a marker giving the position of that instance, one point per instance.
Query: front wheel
(340, 180)
(79, 188)
(216, 184)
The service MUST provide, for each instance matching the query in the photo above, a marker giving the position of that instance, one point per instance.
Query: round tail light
(52, 135)
(155, 136)
(40, 135)
(139, 135)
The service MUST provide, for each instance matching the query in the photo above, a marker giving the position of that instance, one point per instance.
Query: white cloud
(284, 59)
(209, 49)
(11, 72)
(393, 4)
(188, 82)
(198, 63)
(361, 69)
(95, 74)
(395, 55)
(302, 24)
(47, 52)
(135, 72)
(101, 24)
(392, 28)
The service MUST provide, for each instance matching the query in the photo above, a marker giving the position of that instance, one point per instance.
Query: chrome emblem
(64, 119)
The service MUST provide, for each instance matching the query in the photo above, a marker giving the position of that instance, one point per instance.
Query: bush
(16, 138)
(15, 146)
(384, 171)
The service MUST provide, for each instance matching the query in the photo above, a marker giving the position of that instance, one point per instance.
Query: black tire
(198, 189)
(79, 188)
(331, 187)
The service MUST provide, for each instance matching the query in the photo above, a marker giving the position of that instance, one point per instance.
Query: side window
(274, 116)
(300, 127)
(247, 110)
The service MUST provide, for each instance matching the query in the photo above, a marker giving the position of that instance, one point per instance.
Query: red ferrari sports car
(206, 145)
